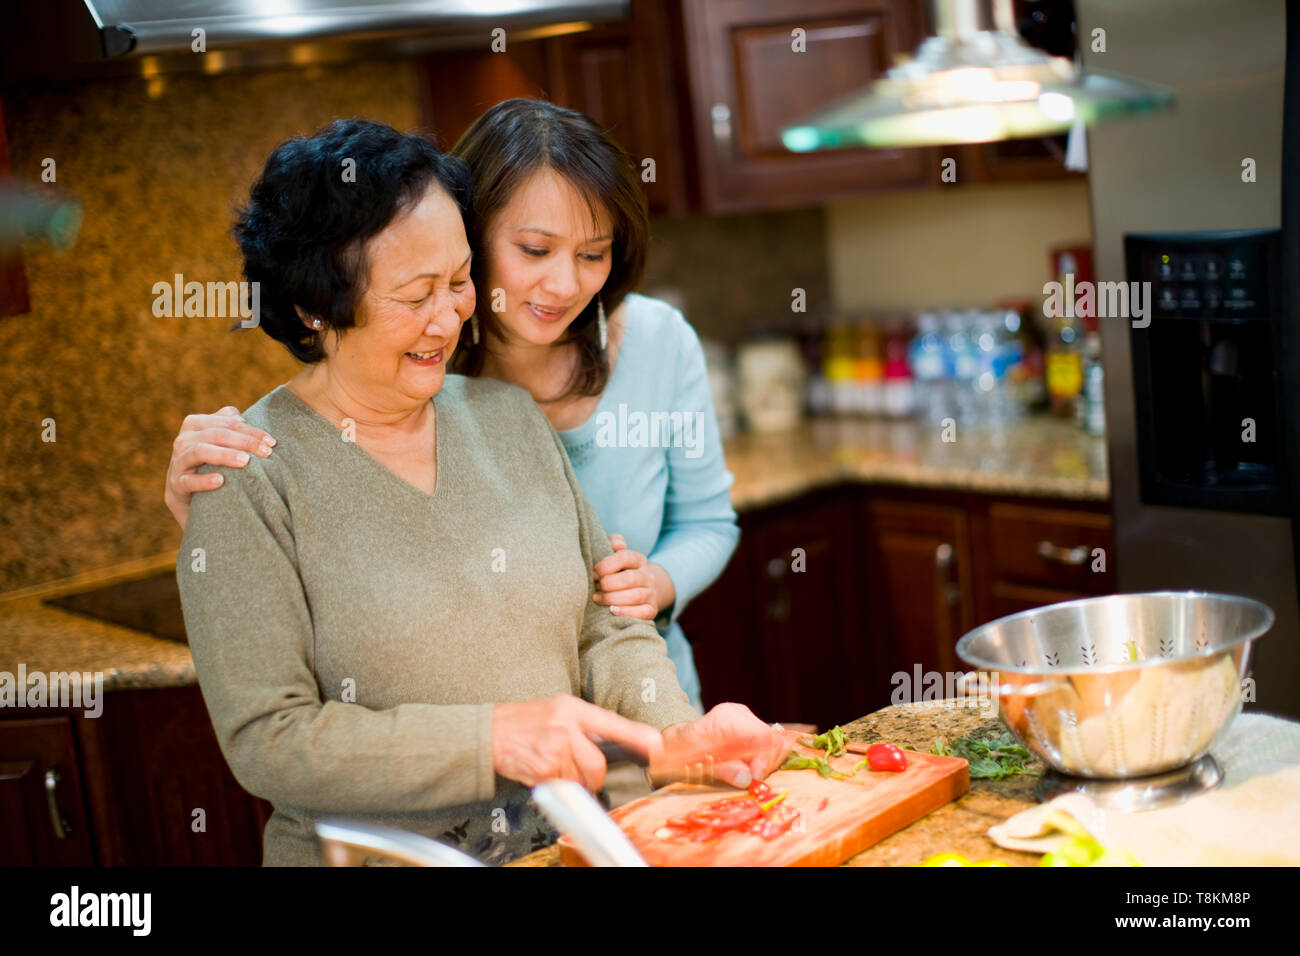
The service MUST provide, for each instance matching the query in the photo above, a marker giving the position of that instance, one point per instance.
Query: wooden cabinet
(623, 75)
(43, 820)
(164, 793)
(919, 583)
(704, 87)
(1043, 554)
(893, 578)
(779, 631)
(748, 80)
(1011, 161)
(143, 784)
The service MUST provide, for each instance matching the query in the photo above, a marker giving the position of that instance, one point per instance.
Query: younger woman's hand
(220, 439)
(628, 584)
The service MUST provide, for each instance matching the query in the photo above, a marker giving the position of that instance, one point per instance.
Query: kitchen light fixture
(976, 81)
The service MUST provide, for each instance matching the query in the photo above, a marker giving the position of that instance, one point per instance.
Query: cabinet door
(42, 807)
(748, 82)
(620, 74)
(918, 569)
(809, 634)
(721, 624)
(623, 76)
(158, 763)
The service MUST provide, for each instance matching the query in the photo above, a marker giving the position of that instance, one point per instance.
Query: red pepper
(886, 757)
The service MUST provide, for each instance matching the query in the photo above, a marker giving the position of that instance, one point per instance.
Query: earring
(600, 323)
(315, 323)
(473, 327)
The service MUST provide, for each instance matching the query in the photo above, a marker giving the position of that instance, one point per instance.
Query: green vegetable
(992, 758)
(832, 742)
(797, 761)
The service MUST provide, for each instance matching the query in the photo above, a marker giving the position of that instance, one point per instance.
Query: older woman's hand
(536, 740)
(220, 439)
(630, 585)
(728, 743)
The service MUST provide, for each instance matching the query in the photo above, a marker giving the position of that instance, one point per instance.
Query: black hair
(317, 203)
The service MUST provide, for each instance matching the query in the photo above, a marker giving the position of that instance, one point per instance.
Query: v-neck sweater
(352, 634)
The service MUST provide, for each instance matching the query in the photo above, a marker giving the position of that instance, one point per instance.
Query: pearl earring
(473, 327)
(600, 323)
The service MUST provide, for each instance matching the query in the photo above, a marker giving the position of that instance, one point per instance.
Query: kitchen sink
(151, 604)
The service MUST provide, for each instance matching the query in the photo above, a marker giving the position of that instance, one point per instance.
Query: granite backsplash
(160, 165)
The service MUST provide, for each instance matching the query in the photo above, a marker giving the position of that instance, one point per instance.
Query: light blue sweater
(650, 460)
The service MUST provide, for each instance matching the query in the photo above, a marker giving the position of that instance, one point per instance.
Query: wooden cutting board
(840, 818)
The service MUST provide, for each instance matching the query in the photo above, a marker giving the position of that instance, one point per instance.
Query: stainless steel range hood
(68, 39)
(139, 27)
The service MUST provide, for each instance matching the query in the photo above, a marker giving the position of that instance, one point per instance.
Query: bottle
(1094, 397)
(869, 369)
(899, 392)
(929, 369)
(837, 367)
(814, 349)
(1028, 389)
(1065, 353)
(998, 352)
(964, 366)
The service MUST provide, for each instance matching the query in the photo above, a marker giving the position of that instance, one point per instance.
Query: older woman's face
(547, 256)
(409, 316)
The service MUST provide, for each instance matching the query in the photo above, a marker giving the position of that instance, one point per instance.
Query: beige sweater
(351, 634)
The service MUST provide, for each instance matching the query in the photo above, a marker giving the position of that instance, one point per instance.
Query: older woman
(392, 615)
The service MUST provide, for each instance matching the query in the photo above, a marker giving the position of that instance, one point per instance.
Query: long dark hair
(503, 148)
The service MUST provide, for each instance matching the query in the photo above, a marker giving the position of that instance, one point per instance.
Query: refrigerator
(1203, 405)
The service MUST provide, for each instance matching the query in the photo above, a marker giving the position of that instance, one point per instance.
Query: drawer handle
(949, 590)
(62, 828)
(1069, 556)
(720, 114)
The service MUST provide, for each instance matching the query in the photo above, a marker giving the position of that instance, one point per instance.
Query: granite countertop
(1034, 457)
(960, 826)
(45, 638)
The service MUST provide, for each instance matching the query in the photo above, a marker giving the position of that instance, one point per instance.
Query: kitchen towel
(1250, 819)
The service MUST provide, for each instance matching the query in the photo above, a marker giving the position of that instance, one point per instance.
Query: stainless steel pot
(1121, 686)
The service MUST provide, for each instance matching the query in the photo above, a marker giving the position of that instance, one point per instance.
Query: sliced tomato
(760, 791)
(778, 821)
(726, 814)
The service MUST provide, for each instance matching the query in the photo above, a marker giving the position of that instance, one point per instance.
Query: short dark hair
(506, 145)
(317, 203)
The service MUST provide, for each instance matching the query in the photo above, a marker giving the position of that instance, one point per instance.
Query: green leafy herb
(832, 742)
(991, 758)
(797, 761)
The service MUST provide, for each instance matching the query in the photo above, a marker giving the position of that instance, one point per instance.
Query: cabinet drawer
(1053, 547)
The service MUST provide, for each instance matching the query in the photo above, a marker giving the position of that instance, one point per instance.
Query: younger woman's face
(547, 257)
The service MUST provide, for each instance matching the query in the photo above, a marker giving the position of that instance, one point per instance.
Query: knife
(688, 765)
